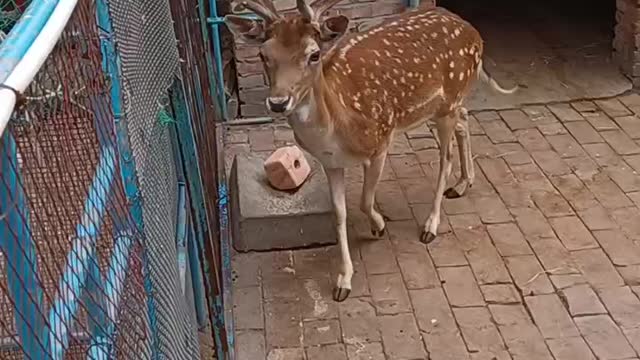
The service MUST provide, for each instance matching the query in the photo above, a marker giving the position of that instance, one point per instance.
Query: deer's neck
(320, 107)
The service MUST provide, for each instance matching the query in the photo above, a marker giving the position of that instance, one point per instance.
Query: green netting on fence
(10, 12)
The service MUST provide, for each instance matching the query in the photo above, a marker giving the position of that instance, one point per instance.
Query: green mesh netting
(10, 12)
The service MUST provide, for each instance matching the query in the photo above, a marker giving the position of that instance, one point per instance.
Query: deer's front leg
(445, 135)
(337, 189)
(372, 173)
(467, 174)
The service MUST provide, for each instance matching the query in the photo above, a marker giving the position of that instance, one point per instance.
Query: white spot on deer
(456, 32)
(416, 60)
(434, 35)
(451, 75)
(400, 50)
(341, 99)
(377, 53)
(461, 52)
(359, 37)
(357, 105)
(397, 60)
(445, 30)
(386, 42)
(452, 64)
(403, 80)
(461, 76)
(434, 66)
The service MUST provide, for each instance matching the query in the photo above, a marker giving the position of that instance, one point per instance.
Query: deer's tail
(484, 76)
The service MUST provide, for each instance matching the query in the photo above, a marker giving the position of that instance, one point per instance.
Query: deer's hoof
(452, 193)
(379, 233)
(426, 237)
(341, 294)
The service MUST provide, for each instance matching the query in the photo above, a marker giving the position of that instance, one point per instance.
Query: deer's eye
(314, 57)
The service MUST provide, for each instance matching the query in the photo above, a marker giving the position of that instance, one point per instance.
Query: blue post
(111, 67)
(217, 53)
(82, 254)
(17, 245)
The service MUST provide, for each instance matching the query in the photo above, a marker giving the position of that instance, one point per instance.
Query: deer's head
(292, 47)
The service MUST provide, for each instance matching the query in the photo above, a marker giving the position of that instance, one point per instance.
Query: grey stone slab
(264, 218)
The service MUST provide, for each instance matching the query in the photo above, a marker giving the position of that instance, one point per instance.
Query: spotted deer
(347, 95)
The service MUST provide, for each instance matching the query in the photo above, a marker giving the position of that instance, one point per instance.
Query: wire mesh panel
(91, 196)
(73, 284)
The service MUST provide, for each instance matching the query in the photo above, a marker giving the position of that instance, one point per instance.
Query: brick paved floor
(540, 261)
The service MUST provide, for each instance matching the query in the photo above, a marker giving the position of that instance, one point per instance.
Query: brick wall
(626, 42)
(252, 88)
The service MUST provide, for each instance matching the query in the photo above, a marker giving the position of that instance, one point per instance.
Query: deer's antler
(263, 8)
(315, 10)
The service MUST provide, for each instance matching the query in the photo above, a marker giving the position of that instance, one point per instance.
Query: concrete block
(264, 218)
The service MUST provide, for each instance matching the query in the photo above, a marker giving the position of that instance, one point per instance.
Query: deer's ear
(334, 27)
(249, 30)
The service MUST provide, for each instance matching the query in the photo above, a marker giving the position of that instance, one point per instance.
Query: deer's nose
(279, 104)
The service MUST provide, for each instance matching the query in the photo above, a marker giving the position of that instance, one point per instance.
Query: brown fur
(385, 78)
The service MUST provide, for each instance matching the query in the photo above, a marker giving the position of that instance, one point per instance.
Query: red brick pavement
(540, 261)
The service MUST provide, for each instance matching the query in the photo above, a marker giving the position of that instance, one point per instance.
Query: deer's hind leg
(445, 127)
(467, 173)
(372, 173)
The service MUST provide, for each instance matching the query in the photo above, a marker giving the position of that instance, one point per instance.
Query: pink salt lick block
(287, 168)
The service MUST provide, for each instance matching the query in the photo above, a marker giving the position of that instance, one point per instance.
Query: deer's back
(414, 66)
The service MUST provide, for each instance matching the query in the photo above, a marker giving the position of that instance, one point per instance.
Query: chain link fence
(102, 248)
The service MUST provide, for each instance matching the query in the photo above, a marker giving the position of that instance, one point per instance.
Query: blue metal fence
(79, 271)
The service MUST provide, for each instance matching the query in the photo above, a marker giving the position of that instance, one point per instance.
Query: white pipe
(32, 61)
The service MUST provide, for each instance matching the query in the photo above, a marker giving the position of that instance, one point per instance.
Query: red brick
(620, 142)
(366, 351)
(574, 191)
(528, 275)
(391, 200)
(597, 268)
(565, 146)
(261, 140)
(584, 106)
(322, 332)
(332, 352)
(582, 300)
(377, 258)
(283, 323)
(553, 255)
(251, 81)
(483, 257)
(406, 166)
(417, 268)
(486, 115)
(574, 348)
(552, 129)
(625, 177)
(621, 250)
(551, 163)
(532, 222)
(389, 294)
(460, 286)
(515, 195)
(479, 332)
(565, 281)
(583, 132)
(564, 112)
(516, 119)
(250, 345)
(551, 316)
(437, 325)
(509, 240)
(498, 132)
(552, 204)
(418, 190)
(604, 337)
(573, 234)
(491, 209)
(629, 221)
(400, 145)
(596, 218)
(613, 107)
(623, 305)
(315, 300)
(446, 251)
(500, 294)
(483, 147)
(631, 101)
(514, 154)
(358, 320)
(583, 167)
(423, 143)
(400, 337)
(600, 121)
(607, 192)
(497, 171)
(474, 126)
(540, 114)
(247, 308)
(531, 177)
(532, 140)
(603, 154)
(520, 335)
(630, 125)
